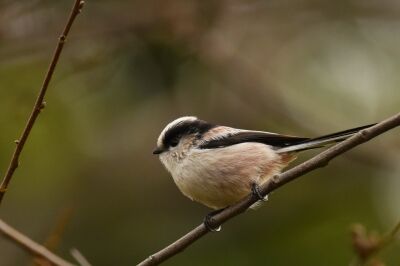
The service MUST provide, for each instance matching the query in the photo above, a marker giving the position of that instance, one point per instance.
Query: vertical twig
(39, 104)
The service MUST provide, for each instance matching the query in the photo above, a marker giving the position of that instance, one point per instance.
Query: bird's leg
(255, 191)
(208, 221)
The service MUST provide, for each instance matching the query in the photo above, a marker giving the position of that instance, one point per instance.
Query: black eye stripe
(174, 141)
(184, 128)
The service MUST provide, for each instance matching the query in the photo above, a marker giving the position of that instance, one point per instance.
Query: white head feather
(172, 124)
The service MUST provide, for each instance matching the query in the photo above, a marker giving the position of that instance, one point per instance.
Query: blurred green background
(299, 67)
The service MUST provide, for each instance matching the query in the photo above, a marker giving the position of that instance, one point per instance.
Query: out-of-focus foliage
(296, 67)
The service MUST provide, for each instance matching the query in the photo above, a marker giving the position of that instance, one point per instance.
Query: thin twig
(39, 104)
(388, 238)
(31, 246)
(393, 234)
(53, 239)
(272, 184)
(367, 245)
(79, 257)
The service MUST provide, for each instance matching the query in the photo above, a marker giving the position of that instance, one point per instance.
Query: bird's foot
(256, 192)
(209, 221)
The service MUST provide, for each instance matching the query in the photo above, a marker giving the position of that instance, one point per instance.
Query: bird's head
(179, 137)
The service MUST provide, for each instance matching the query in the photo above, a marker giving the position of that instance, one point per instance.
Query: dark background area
(129, 67)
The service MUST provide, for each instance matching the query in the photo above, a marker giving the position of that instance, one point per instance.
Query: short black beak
(158, 151)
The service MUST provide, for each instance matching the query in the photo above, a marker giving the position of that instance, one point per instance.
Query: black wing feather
(275, 140)
(342, 133)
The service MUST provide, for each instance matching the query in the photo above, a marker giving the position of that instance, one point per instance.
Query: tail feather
(322, 141)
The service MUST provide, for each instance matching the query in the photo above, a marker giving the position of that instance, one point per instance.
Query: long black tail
(322, 141)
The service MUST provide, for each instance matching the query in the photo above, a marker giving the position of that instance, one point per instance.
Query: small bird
(219, 165)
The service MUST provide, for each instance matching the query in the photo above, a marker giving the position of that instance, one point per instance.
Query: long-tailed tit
(218, 165)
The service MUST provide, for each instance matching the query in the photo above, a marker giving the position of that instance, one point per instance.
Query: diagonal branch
(272, 184)
(39, 104)
(31, 246)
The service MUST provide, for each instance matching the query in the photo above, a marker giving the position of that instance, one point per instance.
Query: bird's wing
(223, 136)
(322, 141)
(241, 136)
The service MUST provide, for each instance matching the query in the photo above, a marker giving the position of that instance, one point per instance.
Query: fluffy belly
(220, 177)
(216, 193)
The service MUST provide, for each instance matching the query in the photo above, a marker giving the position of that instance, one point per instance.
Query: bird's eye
(174, 142)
